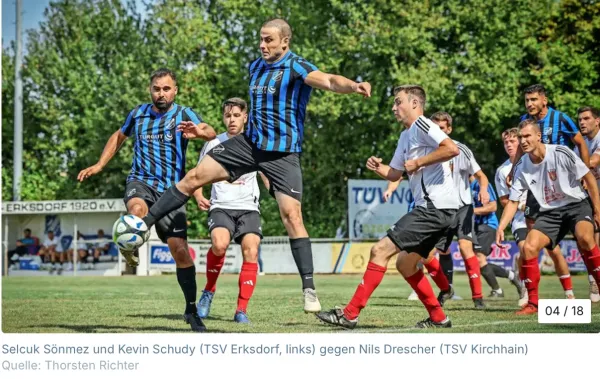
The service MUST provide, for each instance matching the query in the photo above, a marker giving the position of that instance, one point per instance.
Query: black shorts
(239, 156)
(486, 237)
(238, 222)
(463, 227)
(422, 229)
(532, 207)
(520, 235)
(174, 224)
(555, 224)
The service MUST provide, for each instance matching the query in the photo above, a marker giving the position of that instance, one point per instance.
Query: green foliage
(89, 65)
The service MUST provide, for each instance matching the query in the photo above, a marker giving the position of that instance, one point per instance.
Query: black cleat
(479, 304)
(445, 295)
(336, 316)
(195, 322)
(428, 323)
(495, 293)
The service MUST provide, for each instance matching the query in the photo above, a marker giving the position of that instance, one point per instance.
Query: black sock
(169, 201)
(302, 252)
(490, 277)
(499, 271)
(187, 281)
(447, 266)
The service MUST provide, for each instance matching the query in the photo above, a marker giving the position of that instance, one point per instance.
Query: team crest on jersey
(277, 77)
(552, 175)
(171, 124)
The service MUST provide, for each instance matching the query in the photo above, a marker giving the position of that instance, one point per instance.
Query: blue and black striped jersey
(159, 149)
(557, 128)
(278, 100)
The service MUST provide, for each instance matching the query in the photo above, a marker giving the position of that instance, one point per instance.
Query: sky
(33, 13)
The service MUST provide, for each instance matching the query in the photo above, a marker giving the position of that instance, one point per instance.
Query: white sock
(568, 292)
(511, 275)
(590, 278)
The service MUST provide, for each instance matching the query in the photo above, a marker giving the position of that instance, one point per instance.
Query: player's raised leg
(290, 210)
(137, 207)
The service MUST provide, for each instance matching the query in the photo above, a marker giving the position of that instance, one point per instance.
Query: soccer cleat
(311, 302)
(495, 293)
(195, 322)
(204, 303)
(570, 296)
(241, 317)
(445, 295)
(529, 309)
(428, 323)
(336, 316)
(131, 257)
(594, 293)
(479, 304)
(413, 296)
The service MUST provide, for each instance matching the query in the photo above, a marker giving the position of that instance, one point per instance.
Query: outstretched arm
(110, 149)
(337, 83)
(446, 151)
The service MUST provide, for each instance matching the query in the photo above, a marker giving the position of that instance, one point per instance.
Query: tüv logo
(161, 254)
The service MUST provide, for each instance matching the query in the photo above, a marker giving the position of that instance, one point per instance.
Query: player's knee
(137, 210)
(219, 248)
(586, 243)
(466, 248)
(530, 250)
(293, 218)
(250, 254)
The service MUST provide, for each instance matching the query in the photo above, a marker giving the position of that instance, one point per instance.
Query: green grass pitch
(155, 305)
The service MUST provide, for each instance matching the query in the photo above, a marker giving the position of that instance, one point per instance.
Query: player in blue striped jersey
(159, 163)
(279, 87)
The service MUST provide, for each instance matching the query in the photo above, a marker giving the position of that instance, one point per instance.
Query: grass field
(155, 305)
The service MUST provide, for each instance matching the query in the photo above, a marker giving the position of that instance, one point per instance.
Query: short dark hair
(536, 88)
(529, 122)
(595, 111)
(163, 72)
(27, 230)
(413, 91)
(100, 231)
(234, 102)
(442, 116)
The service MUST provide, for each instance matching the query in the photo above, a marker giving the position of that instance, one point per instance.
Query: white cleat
(413, 296)
(594, 293)
(524, 300)
(311, 301)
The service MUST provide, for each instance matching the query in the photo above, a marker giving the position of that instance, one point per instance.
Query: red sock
(213, 269)
(474, 272)
(566, 282)
(434, 270)
(373, 276)
(246, 283)
(592, 259)
(423, 289)
(531, 270)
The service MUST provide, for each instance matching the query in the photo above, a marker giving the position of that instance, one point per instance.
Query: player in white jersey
(589, 124)
(233, 215)
(423, 153)
(553, 175)
(510, 138)
(463, 166)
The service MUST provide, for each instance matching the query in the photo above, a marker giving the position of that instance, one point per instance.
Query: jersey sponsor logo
(552, 175)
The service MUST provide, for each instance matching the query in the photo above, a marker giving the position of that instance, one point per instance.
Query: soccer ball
(130, 232)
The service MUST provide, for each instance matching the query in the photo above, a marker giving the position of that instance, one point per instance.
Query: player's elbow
(493, 206)
(452, 150)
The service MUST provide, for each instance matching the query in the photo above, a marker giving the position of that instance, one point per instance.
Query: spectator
(51, 249)
(102, 246)
(28, 245)
(82, 252)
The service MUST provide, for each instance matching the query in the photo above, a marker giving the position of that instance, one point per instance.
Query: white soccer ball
(130, 232)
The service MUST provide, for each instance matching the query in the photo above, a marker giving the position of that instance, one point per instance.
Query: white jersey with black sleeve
(463, 166)
(555, 182)
(433, 183)
(243, 194)
(502, 189)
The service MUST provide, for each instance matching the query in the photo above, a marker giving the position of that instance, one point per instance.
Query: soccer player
(589, 122)
(462, 167)
(553, 175)
(233, 215)
(510, 139)
(486, 224)
(557, 129)
(159, 163)
(423, 152)
(280, 86)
